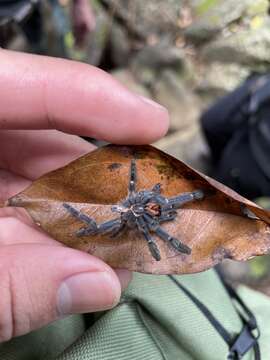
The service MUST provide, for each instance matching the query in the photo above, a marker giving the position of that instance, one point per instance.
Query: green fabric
(155, 320)
(46, 343)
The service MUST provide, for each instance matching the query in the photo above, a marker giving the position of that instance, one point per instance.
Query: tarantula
(146, 210)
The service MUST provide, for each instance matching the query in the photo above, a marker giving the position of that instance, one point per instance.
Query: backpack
(237, 129)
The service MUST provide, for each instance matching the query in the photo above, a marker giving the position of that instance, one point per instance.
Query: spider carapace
(145, 210)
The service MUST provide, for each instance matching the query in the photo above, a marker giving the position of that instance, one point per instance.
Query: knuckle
(6, 307)
(13, 321)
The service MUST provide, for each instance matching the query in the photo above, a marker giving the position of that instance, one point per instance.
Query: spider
(145, 210)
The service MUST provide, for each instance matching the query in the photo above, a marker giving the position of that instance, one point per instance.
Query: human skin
(45, 103)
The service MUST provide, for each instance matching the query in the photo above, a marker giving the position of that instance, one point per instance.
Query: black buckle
(243, 343)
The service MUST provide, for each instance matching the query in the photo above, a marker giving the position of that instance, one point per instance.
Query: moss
(259, 266)
(205, 6)
(258, 7)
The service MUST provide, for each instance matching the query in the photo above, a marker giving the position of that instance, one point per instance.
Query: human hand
(43, 102)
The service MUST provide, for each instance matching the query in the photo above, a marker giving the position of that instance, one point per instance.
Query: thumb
(40, 283)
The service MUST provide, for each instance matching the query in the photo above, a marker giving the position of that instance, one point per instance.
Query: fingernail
(124, 277)
(86, 292)
(151, 102)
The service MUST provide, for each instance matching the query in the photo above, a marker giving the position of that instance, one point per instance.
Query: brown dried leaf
(214, 228)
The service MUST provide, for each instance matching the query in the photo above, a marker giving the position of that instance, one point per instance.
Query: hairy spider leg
(153, 225)
(146, 197)
(81, 216)
(150, 221)
(133, 178)
(154, 222)
(156, 188)
(161, 200)
(151, 243)
(184, 198)
(168, 213)
(118, 230)
(151, 196)
(175, 243)
(167, 217)
(102, 228)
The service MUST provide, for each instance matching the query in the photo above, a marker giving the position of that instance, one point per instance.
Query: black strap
(240, 344)
(248, 338)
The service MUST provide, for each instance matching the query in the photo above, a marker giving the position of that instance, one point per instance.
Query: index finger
(39, 92)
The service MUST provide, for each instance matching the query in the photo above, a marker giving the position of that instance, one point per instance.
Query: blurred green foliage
(259, 267)
(205, 5)
(257, 7)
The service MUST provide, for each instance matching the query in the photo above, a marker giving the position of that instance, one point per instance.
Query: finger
(53, 282)
(17, 230)
(41, 92)
(11, 184)
(125, 277)
(31, 153)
